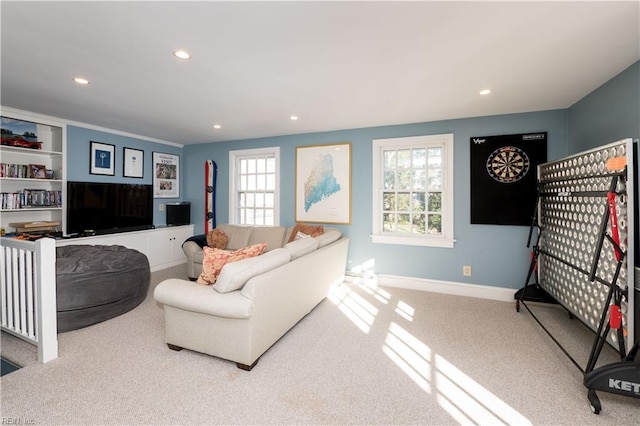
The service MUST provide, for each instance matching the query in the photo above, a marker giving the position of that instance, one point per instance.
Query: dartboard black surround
(503, 177)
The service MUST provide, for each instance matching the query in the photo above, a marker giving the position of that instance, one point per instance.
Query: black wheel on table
(594, 402)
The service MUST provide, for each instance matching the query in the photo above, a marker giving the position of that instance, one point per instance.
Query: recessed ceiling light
(294, 117)
(81, 80)
(485, 91)
(217, 126)
(181, 54)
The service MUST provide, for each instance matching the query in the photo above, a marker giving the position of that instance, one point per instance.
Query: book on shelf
(26, 171)
(42, 228)
(35, 226)
(30, 198)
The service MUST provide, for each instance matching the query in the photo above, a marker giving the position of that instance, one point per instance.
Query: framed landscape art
(323, 183)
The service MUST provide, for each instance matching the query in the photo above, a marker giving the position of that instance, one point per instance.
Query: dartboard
(508, 164)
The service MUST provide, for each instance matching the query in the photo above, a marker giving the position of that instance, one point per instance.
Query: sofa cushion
(311, 230)
(215, 259)
(330, 235)
(301, 247)
(216, 238)
(235, 275)
(238, 235)
(272, 235)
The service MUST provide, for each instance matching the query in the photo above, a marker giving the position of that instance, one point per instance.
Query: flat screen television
(106, 208)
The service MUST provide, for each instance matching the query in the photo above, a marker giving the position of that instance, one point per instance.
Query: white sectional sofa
(239, 237)
(255, 301)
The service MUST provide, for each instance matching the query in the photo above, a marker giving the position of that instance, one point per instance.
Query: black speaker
(178, 213)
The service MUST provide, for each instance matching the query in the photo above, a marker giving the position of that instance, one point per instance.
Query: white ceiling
(337, 65)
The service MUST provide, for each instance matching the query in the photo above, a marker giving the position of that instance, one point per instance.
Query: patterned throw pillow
(309, 230)
(215, 259)
(216, 238)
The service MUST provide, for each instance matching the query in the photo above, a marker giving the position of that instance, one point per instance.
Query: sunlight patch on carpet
(464, 399)
(410, 354)
(461, 397)
(405, 310)
(370, 286)
(354, 307)
(469, 402)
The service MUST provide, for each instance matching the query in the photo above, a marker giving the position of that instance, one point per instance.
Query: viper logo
(478, 140)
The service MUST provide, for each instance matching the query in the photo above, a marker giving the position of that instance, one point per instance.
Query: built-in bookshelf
(30, 198)
(32, 175)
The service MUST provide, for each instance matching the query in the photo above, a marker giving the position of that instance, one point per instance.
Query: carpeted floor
(365, 355)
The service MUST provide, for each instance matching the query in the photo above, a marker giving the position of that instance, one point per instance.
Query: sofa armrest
(190, 248)
(194, 297)
(194, 255)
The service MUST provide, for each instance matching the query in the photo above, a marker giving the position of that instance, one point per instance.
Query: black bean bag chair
(96, 283)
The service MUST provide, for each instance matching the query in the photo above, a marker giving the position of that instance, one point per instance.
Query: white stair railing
(28, 293)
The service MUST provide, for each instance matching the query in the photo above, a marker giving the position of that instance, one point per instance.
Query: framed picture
(102, 158)
(133, 165)
(37, 171)
(166, 175)
(323, 183)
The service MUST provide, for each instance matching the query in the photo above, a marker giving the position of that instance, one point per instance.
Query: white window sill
(414, 241)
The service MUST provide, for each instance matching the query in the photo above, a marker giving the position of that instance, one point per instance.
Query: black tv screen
(105, 208)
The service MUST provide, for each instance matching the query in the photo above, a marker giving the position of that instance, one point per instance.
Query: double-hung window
(254, 186)
(413, 190)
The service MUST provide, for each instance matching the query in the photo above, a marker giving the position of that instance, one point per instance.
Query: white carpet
(363, 356)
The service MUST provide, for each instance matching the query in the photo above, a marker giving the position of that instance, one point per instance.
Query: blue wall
(497, 254)
(78, 148)
(608, 114)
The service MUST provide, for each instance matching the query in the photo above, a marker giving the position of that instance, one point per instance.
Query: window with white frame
(254, 186)
(413, 190)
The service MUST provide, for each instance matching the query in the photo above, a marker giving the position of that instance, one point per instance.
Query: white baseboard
(445, 287)
(167, 265)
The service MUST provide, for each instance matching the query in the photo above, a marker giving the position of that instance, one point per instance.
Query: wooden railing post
(28, 293)
(46, 281)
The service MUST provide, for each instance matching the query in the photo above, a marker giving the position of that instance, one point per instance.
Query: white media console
(162, 245)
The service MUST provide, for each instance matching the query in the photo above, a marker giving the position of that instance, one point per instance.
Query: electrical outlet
(466, 270)
(161, 207)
